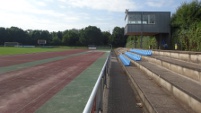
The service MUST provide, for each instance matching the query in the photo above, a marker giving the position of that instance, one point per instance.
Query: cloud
(109, 5)
(40, 3)
(15, 5)
(158, 3)
(54, 15)
(25, 15)
(62, 6)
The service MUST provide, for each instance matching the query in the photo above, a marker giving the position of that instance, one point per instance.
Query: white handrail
(89, 104)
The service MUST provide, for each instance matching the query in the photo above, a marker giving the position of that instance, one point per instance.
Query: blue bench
(133, 56)
(124, 60)
(142, 52)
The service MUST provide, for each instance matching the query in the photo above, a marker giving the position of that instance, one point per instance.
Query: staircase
(166, 81)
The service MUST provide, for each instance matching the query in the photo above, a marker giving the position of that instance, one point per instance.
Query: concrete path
(119, 97)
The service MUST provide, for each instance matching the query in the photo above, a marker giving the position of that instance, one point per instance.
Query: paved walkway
(119, 97)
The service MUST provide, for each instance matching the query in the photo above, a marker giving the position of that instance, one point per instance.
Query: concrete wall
(191, 73)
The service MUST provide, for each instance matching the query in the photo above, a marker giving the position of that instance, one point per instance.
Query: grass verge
(19, 50)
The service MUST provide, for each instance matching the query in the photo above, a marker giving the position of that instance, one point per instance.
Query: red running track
(26, 90)
(18, 59)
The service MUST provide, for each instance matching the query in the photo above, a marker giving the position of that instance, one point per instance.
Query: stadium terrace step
(154, 98)
(188, 56)
(178, 78)
(187, 69)
(121, 50)
(182, 88)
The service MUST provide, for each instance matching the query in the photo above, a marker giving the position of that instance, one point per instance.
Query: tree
(35, 35)
(82, 37)
(15, 34)
(55, 39)
(106, 36)
(3, 35)
(59, 35)
(117, 38)
(71, 38)
(91, 35)
(185, 25)
(45, 35)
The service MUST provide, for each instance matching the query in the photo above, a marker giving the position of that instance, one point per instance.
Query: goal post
(11, 44)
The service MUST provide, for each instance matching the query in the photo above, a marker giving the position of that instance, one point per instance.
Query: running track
(25, 90)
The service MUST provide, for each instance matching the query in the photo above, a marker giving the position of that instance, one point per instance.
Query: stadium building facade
(149, 23)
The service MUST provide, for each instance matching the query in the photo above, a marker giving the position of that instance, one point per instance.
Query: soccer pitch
(19, 50)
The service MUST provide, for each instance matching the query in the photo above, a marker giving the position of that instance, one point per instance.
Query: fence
(95, 101)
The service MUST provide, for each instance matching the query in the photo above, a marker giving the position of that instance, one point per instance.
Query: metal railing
(95, 101)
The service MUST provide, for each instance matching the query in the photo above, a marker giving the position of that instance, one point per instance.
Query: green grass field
(18, 50)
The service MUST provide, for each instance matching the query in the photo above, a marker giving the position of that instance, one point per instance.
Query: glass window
(148, 19)
(134, 19)
(151, 19)
(145, 19)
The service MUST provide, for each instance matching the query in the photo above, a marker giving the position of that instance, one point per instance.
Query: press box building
(149, 23)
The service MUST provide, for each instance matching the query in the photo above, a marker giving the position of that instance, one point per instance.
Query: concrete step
(154, 98)
(189, 56)
(176, 73)
(182, 88)
(188, 69)
(119, 96)
(121, 50)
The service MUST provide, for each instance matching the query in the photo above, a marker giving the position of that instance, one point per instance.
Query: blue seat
(133, 56)
(124, 60)
(142, 52)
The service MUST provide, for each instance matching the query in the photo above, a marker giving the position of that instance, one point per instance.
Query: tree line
(148, 42)
(90, 35)
(186, 26)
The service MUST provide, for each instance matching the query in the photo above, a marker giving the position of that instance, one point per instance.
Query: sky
(60, 15)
